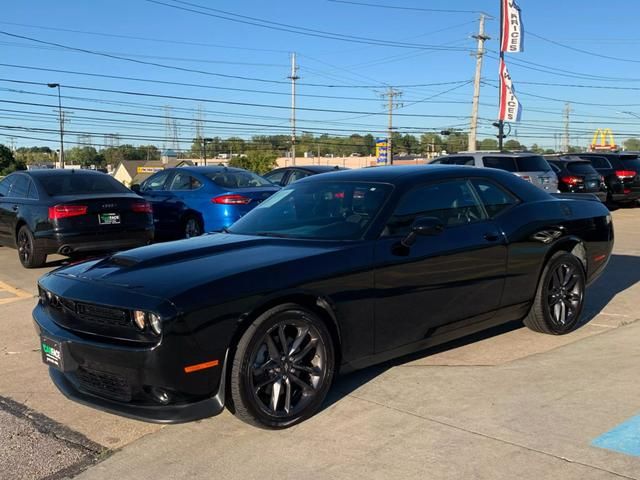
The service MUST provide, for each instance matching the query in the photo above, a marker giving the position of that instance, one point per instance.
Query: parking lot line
(625, 438)
(17, 294)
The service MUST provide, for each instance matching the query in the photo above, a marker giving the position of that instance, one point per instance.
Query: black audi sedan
(333, 273)
(69, 212)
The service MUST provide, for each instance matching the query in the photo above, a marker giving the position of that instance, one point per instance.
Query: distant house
(126, 170)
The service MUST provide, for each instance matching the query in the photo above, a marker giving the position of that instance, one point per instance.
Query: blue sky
(202, 42)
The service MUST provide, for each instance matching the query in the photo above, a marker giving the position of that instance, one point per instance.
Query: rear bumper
(67, 243)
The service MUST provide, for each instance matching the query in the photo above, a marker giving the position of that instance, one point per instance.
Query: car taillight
(141, 207)
(231, 200)
(625, 173)
(571, 180)
(63, 211)
(527, 178)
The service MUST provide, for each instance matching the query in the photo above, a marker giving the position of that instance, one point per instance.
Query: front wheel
(192, 227)
(283, 368)
(559, 298)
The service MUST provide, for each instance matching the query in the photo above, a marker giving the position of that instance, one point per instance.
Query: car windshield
(237, 179)
(80, 184)
(534, 163)
(316, 210)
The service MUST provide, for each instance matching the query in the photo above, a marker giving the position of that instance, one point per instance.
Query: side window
(462, 161)
(494, 198)
(155, 182)
(276, 177)
(502, 163)
(453, 202)
(20, 187)
(5, 184)
(184, 181)
(297, 175)
(440, 161)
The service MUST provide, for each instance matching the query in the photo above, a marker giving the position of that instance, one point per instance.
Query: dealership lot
(504, 404)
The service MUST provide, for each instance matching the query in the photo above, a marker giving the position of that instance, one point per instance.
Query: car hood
(167, 270)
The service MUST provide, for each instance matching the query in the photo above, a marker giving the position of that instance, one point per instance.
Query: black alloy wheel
(192, 227)
(559, 297)
(564, 295)
(283, 368)
(29, 252)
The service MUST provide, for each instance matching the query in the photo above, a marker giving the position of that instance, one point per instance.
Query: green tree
(632, 144)
(537, 149)
(8, 163)
(35, 155)
(258, 161)
(84, 156)
(431, 142)
(514, 145)
(457, 141)
(488, 144)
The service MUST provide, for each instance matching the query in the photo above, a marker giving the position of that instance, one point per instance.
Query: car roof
(59, 172)
(494, 154)
(207, 169)
(318, 168)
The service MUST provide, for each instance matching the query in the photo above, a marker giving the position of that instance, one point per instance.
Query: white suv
(528, 166)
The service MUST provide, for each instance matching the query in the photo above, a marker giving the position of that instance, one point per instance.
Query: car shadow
(622, 272)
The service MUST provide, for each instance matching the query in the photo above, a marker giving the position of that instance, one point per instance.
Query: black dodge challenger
(336, 272)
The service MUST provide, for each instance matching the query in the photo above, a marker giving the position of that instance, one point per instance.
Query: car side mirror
(423, 226)
(135, 187)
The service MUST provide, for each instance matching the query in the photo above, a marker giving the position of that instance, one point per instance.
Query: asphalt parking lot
(509, 403)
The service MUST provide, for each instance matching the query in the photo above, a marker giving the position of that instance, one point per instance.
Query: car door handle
(491, 236)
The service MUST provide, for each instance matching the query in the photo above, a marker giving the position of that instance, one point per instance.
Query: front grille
(102, 315)
(104, 384)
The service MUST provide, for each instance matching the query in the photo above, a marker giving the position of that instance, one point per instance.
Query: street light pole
(204, 155)
(61, 118)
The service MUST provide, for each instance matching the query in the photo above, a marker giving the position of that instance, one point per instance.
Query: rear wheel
(30, 252)
(283, 368)
(560, 296)
(192, 227)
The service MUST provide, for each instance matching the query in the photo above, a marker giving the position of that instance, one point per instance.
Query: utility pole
(293, 77)
(473, 130)
(567, 112)
(391, 95)
(61, 117)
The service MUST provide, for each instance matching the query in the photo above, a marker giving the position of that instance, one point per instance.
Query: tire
(559, 297)
(303, 374)
(191, 227)
(30, 252)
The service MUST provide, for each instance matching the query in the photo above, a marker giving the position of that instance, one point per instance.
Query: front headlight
(142, 319)
(156, 324)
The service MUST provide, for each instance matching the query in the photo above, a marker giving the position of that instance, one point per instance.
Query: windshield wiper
(272, 234)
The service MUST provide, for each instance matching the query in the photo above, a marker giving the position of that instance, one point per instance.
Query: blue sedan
(188, 201)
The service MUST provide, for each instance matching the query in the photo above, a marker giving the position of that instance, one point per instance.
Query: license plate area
(109, 218)
(51, 352)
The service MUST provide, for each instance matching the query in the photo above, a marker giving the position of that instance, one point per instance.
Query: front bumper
(122, 379)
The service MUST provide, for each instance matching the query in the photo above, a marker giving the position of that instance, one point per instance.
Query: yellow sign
(148, 169)
(603, 134)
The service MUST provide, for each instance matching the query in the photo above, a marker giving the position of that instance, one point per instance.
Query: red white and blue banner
(512, 40)
(510, 108)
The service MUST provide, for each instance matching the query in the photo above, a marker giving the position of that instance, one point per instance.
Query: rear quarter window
(534, 163)
(598, 162)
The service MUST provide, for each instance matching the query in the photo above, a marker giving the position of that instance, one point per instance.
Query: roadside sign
(149, 169)
(381, 150)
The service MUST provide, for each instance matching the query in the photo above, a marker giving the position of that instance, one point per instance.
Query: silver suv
(528, 166)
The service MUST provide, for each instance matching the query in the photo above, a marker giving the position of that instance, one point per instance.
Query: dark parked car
(188, 201)
(333, 273)
(621, 172)
(70, 211)
(576, 175)
(286, 175)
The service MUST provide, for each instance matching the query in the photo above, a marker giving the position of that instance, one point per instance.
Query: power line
(396, 7)
(580, 50)
(244, 19)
